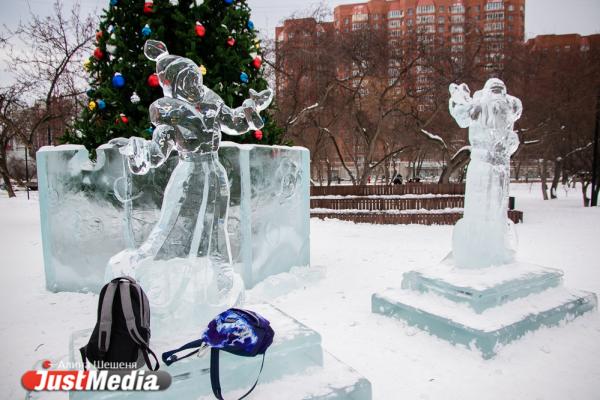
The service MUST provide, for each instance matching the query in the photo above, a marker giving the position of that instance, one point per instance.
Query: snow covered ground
(350, 262)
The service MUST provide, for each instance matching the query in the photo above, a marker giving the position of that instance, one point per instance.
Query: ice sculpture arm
(142, 154)
(462, 107)
(247, 117)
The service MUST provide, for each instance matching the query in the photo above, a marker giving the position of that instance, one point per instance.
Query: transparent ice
(485, 236)
(185, 263)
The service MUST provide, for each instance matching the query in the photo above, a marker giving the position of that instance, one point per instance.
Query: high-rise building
(476, 34)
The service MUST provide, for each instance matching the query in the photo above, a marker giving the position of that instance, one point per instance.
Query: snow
(435, 137)
(351, 262)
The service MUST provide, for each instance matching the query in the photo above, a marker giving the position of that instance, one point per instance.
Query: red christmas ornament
(257, 62)
(148, 7)
(200, 29)
(153, 81)
(122, 118)
(258, 135)
(98, 36)
(231, 42)
(98, 54)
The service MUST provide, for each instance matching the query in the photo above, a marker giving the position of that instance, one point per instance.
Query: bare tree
(45, 58)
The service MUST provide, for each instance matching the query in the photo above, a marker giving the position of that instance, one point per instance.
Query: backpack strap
(105, 325)
(132, 327)
(169, 357)
(215, 381)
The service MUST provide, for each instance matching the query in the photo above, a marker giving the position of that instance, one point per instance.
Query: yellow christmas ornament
(203, 70)
(92, 105)
(87, 64)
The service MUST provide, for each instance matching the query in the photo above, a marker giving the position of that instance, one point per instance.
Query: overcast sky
(542, 16)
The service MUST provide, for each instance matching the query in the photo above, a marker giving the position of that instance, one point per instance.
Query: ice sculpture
(186, 260)
(112, 209)
(481, 297)
(485, 236)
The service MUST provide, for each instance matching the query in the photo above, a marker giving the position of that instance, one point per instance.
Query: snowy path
(401, 362)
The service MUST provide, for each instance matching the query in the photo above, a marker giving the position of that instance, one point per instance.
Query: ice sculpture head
(179, 77)
(495, 86)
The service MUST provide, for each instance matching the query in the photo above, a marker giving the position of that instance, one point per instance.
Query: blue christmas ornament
(228, 2)
(146, 30)
(251, 25)
(118, 81)
(150, 130)
(244, 77)
(113, 2)
(90, 93)
(101, 104)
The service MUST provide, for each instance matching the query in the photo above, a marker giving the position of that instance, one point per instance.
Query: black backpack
(122, 332)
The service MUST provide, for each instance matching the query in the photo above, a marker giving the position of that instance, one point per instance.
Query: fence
(407, 219)
(389, 190)
(424, 204)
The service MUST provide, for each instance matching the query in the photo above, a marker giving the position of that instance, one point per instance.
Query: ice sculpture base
(486, 308)
(483, 288)
(296, 367)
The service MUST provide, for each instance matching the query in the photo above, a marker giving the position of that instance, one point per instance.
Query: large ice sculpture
(481, 296)
(484, 236)
(185, 262)
(111, 209)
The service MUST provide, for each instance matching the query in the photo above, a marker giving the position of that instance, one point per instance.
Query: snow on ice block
(296, 367)
(90, 211)
(484, 287)
(487, 331)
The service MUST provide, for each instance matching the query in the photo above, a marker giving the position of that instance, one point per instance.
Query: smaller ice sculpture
(485, 236)
(185, 263)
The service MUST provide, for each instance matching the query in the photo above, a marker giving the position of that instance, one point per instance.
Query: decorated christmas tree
(218, 35)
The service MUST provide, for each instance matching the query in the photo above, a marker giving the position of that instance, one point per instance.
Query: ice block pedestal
(483, 308)
(90, 211)
(296, 367)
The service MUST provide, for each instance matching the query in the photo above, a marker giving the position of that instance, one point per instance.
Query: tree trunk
(517, 170)
(584, 188)
(6, 178)
(455, 163)
(544, 177)
(558, 163)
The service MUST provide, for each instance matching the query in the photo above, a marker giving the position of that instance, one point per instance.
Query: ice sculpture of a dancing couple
(185, 263)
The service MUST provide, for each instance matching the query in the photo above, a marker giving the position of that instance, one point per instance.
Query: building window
(494, 16)
(441, 9)
(395, 14)
(425, 19)
(428, 9)
(457, 9)
(457, 19)
(441, 20)
(360, 17)
(494, 26)
(409, 11)
(457, 29)
(394, 24)
(441, 29)
(458, 39)
(511, 8)
(494, 5)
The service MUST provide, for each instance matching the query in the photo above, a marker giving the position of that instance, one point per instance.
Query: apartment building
(448, 24)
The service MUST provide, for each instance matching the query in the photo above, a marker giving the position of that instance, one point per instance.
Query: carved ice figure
(186, 260)
(485, 236)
